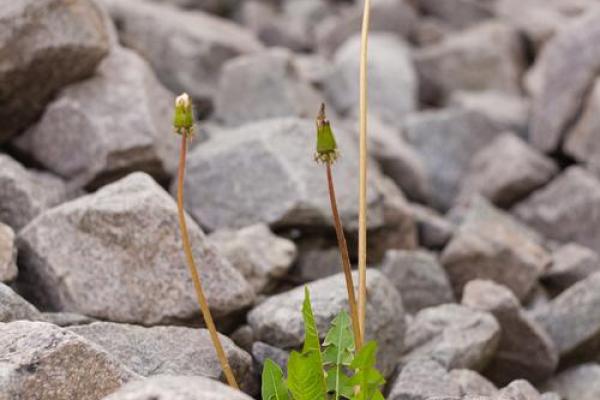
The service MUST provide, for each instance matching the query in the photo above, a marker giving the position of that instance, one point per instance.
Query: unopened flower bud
(327, 151)
(183, 118)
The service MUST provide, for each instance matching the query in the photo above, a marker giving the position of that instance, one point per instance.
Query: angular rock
(198, 44)
(169, 350)
(107, 254)
(45, 45)
(317, 258)
(431, 30)
(489, 56)
(433, 229)
(507, 170)
(261, 351)
(278, 320)
(419, 278)
(261, 86)
(581, 382)
(525, 349)
(472, 384)
(570, 264)
(423, 379)
(490, 244)
(392, 78)
(76, 140)
(447, 140)
(219, 7)
(65, 319)
(519, 390)
(458, 13)
(567, 209)
(8, 254)
(43, 361)
(13, 307)
(26, 193)
(453, 335)
(177, 388)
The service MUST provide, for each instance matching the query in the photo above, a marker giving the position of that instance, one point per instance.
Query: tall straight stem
(341, 238)
(187, 249)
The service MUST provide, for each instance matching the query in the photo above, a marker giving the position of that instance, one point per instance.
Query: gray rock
(257, 253)
(46, 44)
(564, 82)
(433, 229)
(525, 349)
(458, 13)
(570, 264)
(446, 141)
(261, 351)
(169, 350)
(489, 56)
(572, 321)
(75, 140)
(392, 78)
(551, 396)
(472, 384)
(198, 44)
(567, 209)
(317, 258)
(243, 337)
(13, 307)
(506, 171)
(26, 193)
(581, 382)
(278, 320)
(490, 244)
(261, 86)
(117, 255)
(177, 388)
(431, 30)
(423, 379)
(453, 335)
(220, 7)
(519, 390)
(419, 278)
(8, 254)
(65, 319)
(43, 361)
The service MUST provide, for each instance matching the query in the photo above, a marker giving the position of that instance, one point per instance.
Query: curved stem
(194, 270)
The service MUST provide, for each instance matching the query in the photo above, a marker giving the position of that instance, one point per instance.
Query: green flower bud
(327, 151)
(183, 118)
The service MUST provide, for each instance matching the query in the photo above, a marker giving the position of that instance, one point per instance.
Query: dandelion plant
(183, 121)
(327, 153)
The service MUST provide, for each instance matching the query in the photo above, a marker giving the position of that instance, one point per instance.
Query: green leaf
(339, 347)
(339, 384)
(273, 384)
(311, 335)
(366, 376)
(305, 376)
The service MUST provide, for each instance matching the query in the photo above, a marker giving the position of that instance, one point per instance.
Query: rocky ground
(484, 193)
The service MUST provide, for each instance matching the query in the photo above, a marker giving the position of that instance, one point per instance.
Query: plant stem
(362, 212)
(187, 249)
(341, 238)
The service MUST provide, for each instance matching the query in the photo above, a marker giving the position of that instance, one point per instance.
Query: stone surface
(43, 361)
(458, 13)
(220, 7)
(169, 350)
(392, 78)
(8, 254)
(65, 319)
(423, 379)
(278, 320)
(570, 264)
(197, 47)
(177, 388)
(76, 140)
(433, 229)
(472, 384)
(519, 390)
(13, 307)
(490, 244)
(419, 278)
(45, 45)
(489, 56)
(453, 335)
(507, 170)
(261, 351)
(116, 255)
(26, 193)
(581, 382)
(567, 209)
(525, 349)
(317, 258)
(261, 86)
(446, 141)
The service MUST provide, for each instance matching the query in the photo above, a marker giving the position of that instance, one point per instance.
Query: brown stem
(341, 238)
(187, 249)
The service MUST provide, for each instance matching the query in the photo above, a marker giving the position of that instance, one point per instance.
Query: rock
(434, 231)
(564, 82)
(88, 256)
(13, 307)
(550, 396)
(458, 13)
(446, 141)
(392, 78)
(75, 140)
(243, 337)
(261, 86)
(581, 382)
(43, 361)
(198, 44)
(453, 335)
(507, 170)
(572, 321)
(8, 254)
(177, 388)
(261, 351)
(525, 349)
(422, 379)
(490, 244)
(278, 320)
(317, 258)
(472, 384)
(519, 390)
(26, 193)
(169, 350)
(567, 209)
(430, 30)
(419, 278)
(570, 264)
(65, 319)
(63, 42)
(489, 56)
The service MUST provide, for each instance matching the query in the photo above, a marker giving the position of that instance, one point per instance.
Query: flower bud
(183, 118)
(326, 145)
